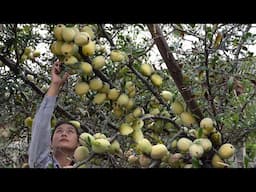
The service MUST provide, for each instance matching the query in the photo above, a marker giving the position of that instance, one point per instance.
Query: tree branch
(174, 70)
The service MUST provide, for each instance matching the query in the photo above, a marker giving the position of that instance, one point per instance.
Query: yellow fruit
(70, 60)
(137, 135)
(28, 122)
(196, 150)
(129, 118)
(44, 88)
(95, 84)
(138, 112)
(68, 49)
(81, 153)
(216, 138)
(187, 118)
(86, 139)
(89, 31)
(146, 69)
(117, 111)
(30, 77)
(125, 129)
(113, 94)
(86, 68)
(129, 86)
(144, 161)
(58, 31)
(99, 136)
(144, 146)
(167, 95)
(137, 124)
(99, 98)
(98, 62)
(25, 165)
(27, 51)
(81, 88)
(82, 38)
(226, 151)
(205, 143)
(123, 99)
(177, 107)
(183, 144)
(130, 104)
(115, 147)
(207, 124)
(156, 79)
(100, 145)
(56, 47)
(174, 144)
(116, 56)
(36, 53)
(53, 121)
(68, 34)
(89, 49)
(158, 151)
(105, 88)
(217, 162)
(75, 123)
(154, 111)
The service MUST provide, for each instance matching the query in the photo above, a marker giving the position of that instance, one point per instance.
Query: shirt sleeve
(39, 148)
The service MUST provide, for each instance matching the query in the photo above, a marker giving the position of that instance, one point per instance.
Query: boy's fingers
(65, 76)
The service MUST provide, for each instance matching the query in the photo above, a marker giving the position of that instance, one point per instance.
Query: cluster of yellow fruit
(72, 46)
(97, 143)
(184, 150)
(148, 71)
(29, 53)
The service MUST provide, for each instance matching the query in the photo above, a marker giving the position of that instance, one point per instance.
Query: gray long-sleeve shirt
(40, 155)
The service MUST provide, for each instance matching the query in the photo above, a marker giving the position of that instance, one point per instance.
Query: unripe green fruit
(100, 145)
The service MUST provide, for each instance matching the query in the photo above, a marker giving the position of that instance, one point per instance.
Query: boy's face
(65, 137)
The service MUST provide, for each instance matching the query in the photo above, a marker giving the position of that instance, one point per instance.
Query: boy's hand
(56, 78)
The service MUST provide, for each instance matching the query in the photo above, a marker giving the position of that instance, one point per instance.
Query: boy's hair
(63, 122)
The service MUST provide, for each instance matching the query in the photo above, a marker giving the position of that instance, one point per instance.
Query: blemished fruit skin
(196, 150)
(226, 151)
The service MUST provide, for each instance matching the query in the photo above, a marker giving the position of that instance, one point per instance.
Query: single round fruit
(81, 153)
(146, 69)
(226, 151)
(156, 79)
(81, 88)
(207, 124)
(158, 151)
(183, 144)
(196, 150)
